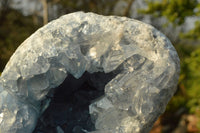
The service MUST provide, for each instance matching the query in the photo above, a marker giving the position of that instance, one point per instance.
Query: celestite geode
(146, 63)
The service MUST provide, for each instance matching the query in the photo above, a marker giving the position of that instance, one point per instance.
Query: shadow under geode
(69, 106)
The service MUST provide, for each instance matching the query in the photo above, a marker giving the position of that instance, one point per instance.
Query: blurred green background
(179, 20)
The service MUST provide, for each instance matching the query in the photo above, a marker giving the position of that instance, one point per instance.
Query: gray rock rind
(79, 42)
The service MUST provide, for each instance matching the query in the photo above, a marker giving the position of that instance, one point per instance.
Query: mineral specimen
(145, 64)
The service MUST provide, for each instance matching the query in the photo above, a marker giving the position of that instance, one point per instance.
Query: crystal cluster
(145, 62)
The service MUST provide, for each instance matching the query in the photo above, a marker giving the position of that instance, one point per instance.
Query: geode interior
(69, 106)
